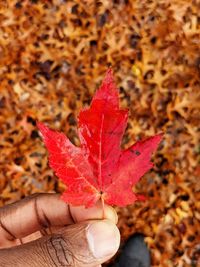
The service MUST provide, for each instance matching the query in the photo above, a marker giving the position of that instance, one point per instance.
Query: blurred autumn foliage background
(53, 56)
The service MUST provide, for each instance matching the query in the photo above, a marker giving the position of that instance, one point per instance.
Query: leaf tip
(42, 127)
(158, 137)
(108, 91)
(109, 74)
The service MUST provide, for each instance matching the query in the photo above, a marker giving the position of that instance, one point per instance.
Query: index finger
(39, 211)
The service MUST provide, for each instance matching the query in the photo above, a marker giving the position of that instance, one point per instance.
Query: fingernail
(103, 238)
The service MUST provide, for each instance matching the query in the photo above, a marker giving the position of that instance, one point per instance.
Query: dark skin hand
(42, 230)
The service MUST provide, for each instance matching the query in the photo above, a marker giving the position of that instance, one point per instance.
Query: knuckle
(58, 250)
(68, 249)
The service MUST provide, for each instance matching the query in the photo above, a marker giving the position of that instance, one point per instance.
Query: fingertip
(111, 214)
(103, 239)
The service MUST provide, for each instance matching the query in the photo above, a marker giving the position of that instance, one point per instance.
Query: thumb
(84, 244)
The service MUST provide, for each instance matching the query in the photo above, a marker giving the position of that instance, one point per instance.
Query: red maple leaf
(99, 169)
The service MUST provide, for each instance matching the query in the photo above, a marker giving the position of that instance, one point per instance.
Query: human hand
(42, 230)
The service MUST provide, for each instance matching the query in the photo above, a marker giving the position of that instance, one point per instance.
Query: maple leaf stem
(103, 207)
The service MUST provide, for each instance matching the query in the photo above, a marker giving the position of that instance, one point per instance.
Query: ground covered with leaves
(53, 56)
